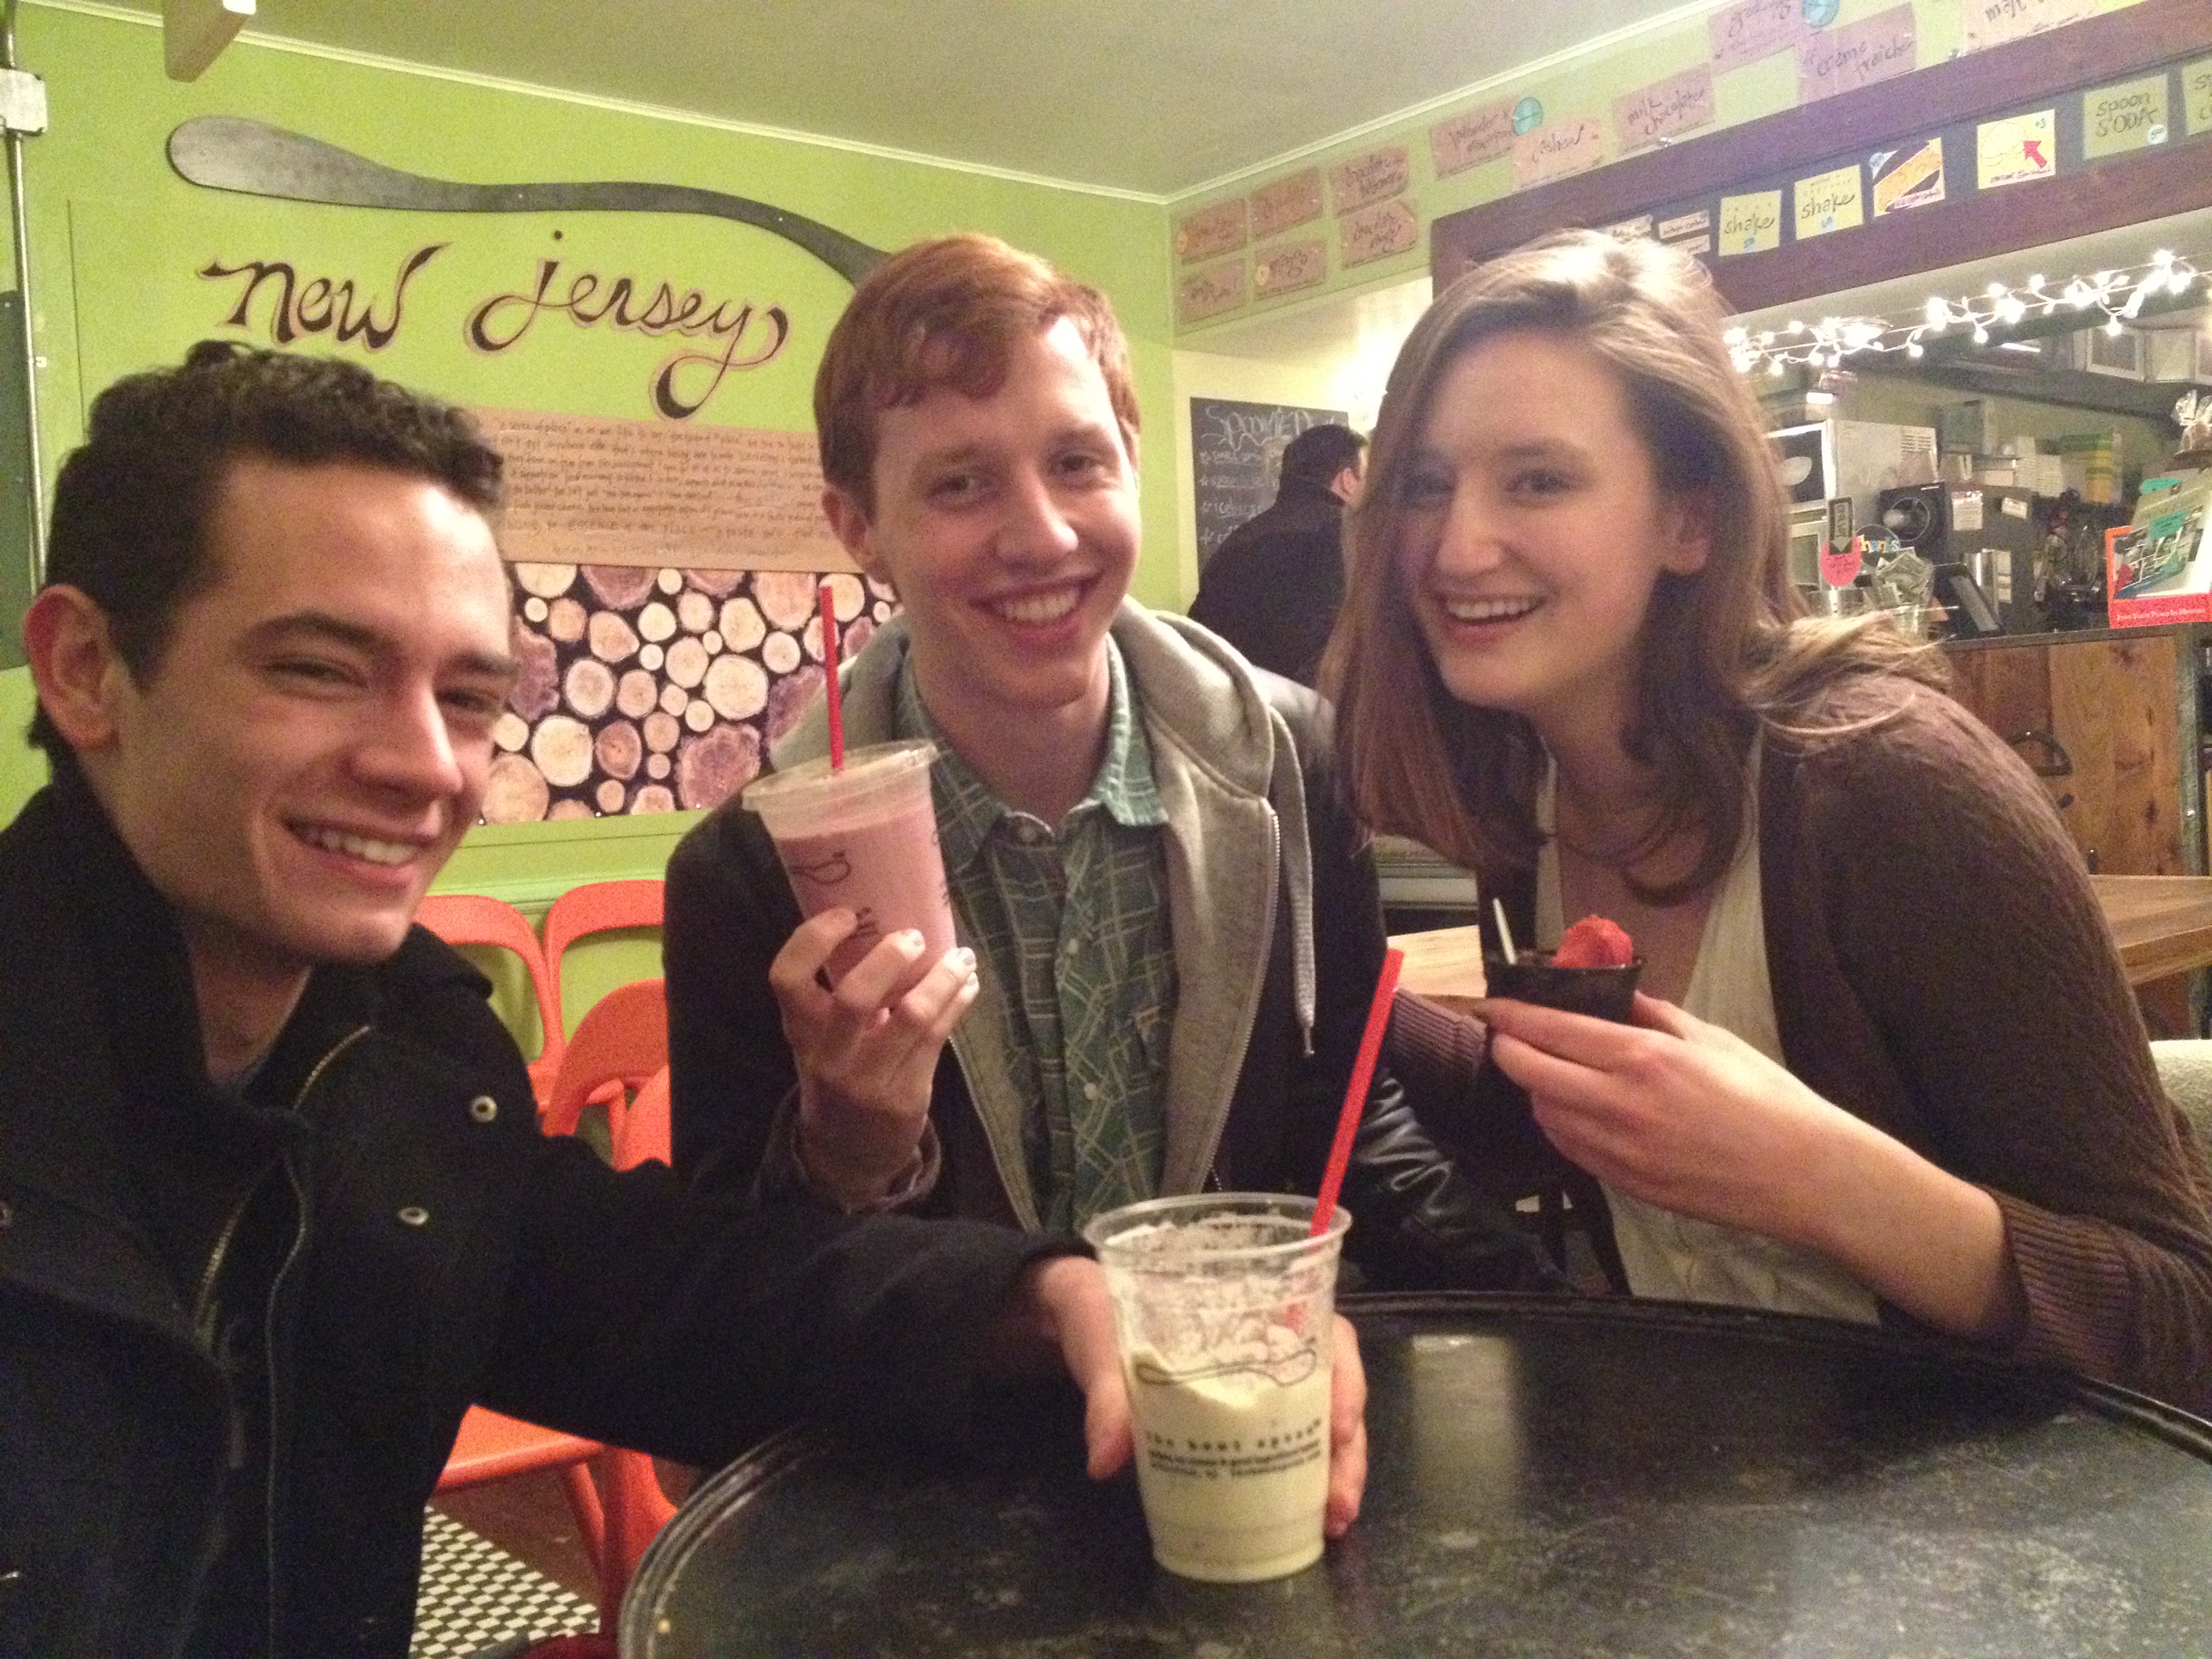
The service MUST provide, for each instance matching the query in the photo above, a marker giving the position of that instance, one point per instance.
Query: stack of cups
(1223, 1306)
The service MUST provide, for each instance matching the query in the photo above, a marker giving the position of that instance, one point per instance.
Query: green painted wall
(117, 239)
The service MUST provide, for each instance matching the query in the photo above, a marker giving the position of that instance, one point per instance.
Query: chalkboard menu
(1236, 452)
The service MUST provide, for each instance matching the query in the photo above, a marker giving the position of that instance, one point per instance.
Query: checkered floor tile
(475, 1594)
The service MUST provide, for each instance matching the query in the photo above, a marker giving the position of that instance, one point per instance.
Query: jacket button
(483, 1108)
(7, 1213)
(413, 1215)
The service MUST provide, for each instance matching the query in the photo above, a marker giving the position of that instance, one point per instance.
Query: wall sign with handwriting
(1680, 103)
(1751, 222)
(1556, 151)
(1752, 29)
(1692, 232)
(1829, 201)
(1374, 177)
(2196, 95)
(1378, 231)
(1992, 22)
(1294, 265)
(1909, 177)
(2015, 149)
(1469, 139)
(1210, 231)
(1210, 292)
(2129, 116)
(1285, 203)
(1858, 55)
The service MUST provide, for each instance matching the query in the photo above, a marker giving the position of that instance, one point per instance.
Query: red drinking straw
(1355, 1098)
(828, 603)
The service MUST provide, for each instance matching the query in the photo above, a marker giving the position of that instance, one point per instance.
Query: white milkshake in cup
(1223, 1306)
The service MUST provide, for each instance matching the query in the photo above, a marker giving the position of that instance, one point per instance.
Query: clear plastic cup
(1223, 1303)
(864, 837)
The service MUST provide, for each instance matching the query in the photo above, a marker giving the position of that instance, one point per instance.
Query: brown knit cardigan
(1941, 968)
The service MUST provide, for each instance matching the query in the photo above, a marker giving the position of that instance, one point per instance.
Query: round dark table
(1549, 1478)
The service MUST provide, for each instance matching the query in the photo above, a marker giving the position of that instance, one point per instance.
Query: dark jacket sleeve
(681, 1325)
(1420, 1224)
(1952, 910)
(691, 1323)
(729, 911)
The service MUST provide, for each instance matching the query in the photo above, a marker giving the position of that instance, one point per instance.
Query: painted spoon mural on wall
(228, 152)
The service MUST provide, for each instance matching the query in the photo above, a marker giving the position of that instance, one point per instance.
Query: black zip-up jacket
(440, 1251)
(1418, 1223)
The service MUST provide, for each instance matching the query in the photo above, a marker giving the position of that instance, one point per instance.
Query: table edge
(791, 1448)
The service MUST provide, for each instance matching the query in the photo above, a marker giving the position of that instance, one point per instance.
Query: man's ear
(848, 522)
(1345, 486)
(74, 667)
(1689, 533)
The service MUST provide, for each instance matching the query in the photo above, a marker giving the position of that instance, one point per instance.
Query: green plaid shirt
(1074, 926)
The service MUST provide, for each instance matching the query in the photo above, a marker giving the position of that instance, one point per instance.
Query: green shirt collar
(967, 810)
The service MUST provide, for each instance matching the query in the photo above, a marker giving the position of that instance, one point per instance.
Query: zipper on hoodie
(269, 1319)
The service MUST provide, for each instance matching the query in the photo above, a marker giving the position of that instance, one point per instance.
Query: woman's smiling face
(1532, 530)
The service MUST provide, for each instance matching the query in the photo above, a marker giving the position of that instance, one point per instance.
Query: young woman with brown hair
(1889, 1058)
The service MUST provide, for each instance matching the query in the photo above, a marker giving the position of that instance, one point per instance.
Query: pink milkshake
(864, 837)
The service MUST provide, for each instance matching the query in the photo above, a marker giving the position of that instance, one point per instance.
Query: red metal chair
(473, 919)
(596, 906)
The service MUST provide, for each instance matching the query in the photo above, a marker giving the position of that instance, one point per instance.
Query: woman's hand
(1688, 1117)
(865, 1056)
(1673, 1111)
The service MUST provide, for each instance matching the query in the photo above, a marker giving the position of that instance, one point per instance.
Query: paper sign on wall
(1209, 231)
(1993, 22)
(1680, 103)
(1378, 231)
(1829, 201)
(1751, 223)
(1282, 269)
(1371, 177)
(1470, 139)
(1209, 293)
(1690, 232)
(1287, 202)
(1554, 152)
(2129, 116)
(1845, 59)
(2014, 150)
(1752, 29)
(1908, 178)
(2196, 95)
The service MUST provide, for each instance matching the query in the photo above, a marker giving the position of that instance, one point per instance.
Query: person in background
(1889, 1067)
(1169, 927)
(1273, 588)
(274, 1206)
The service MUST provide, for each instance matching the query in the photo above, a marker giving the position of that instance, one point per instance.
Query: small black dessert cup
(1605, 992)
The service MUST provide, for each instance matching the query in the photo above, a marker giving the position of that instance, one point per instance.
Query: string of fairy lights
(2119, 296)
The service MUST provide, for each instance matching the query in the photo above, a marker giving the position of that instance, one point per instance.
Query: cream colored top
(1672, 1256)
